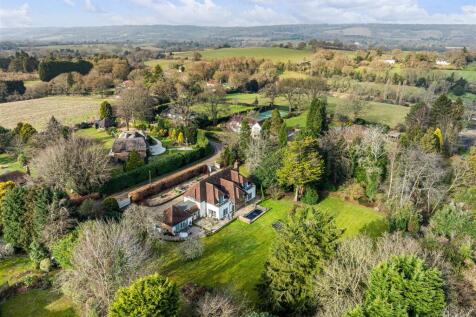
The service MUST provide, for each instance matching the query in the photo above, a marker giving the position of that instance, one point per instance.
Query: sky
(41, 13)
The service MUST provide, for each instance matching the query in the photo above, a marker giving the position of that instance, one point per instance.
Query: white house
(179, 217)
(235, 125)
(255, 130)
(390, 61)
(221, 194)
(441, 62)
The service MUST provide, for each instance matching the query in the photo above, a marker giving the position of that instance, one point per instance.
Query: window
(225, 211)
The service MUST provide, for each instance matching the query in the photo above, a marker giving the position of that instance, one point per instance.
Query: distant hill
(388, 35)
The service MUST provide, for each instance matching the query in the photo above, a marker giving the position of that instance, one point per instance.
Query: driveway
(217, 148)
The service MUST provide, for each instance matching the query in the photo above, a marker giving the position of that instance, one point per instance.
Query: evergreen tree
(403, 286)
(16, 225)
(302, 165)
(153, 295)
(133, 161)
(283, 135)
(105, 110)
(180, 138)
(316, 122)
(245, 136)
(276, 122)
(306, 240)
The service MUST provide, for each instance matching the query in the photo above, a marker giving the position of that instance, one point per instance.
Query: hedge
(166, 183)
(13, 86)
(155, 168)
(47, 70)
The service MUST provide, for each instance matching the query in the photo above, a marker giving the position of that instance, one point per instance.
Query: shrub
(105, 110)
(45, 265)
(153, 295)
(62, 250)
(111, 208)
(191, 249)
(37, 253)
(406, 220)
(133, 161)
(311, 197)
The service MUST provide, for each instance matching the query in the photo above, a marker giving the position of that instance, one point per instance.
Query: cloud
(17, 17)
(69, 2)
(89, 6)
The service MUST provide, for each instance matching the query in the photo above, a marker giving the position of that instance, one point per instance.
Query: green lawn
(96, 134)
(12, 268)
(9, 163)
(276, 54)
(38, 303)
(469, 75)
(235, 256)
(223, 109)
(378, 112)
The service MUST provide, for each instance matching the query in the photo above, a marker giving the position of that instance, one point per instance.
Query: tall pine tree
(316, 122)
(302, 245)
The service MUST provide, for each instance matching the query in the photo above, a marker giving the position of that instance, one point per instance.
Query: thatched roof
(130, 141)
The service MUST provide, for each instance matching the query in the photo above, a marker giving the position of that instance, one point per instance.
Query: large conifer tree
(316, 122)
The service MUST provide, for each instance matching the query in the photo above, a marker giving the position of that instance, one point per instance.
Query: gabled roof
(130, 141)
(178, 213)
(227, 183)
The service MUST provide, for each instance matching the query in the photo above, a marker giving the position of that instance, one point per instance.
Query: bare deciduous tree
(220, 304)
(213, 98)
(77, 164)
(191, 249)
(135, 104)
(106, 257)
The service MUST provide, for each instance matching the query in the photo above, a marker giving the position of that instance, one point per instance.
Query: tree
(106, 257)
(306, 240)
(245, 135)
(316, 122)
(266, 172)
(271, 92)
(133, 161)
(448, 116)
(105, 110)
(301, 165)
(15, 219)
(180, 138)
(219, 304)
(62, 250)
(153, 295)
(191, 249)
(276, 122)
(404, 286)
(356, 106)
(283, 135)
(77, 164)
(213, 98)
(290, 89)
(135, 103)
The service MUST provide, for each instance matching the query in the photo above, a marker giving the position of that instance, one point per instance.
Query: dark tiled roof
(176, 214)
(227, 183)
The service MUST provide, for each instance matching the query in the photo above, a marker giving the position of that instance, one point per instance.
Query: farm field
(377, 112)
(276, 54)
(235, 256)
(67, 109)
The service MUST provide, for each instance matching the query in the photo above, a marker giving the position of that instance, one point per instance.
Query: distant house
(221, 194)
(441, 62)
(235, 125)
(390, 61)
(179, 217)
(127, 142)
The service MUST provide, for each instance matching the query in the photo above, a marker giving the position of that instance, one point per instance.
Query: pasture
(275, 54)
(235, 256)
(67, 109)
(469, 75)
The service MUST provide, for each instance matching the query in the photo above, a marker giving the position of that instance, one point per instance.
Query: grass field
(223, 109)
(12, 268)
(38, 303)
(67, 109)
(9, 163)
(469, 75)
(276, 54)
(96, 134)
(235, 256)
(31, 83)
(377, 112)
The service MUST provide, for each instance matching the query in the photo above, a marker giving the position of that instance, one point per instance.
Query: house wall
(219, 212)
(182, 225)
(251, 192)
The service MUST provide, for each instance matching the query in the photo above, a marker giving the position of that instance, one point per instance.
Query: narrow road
(217, 147)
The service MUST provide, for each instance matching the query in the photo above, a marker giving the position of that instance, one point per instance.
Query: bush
(133, 161)
(45, 265)
(37, 253)
(62, 250)
(191, 249)
(311, 197)
(158, 167)
(405, 220)
(153, 295)
(111, 208)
